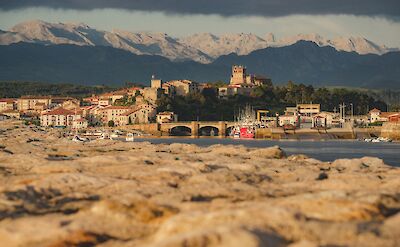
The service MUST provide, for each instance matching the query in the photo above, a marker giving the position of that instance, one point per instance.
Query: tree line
(207, 106)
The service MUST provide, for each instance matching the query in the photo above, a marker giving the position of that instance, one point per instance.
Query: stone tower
(238, 74)
(156, 83)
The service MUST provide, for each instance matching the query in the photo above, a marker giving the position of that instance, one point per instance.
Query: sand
(55, 192)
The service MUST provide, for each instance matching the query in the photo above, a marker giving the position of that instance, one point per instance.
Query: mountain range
(302, 62)
(204, 48)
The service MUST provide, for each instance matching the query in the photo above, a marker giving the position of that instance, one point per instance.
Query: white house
(166, 117)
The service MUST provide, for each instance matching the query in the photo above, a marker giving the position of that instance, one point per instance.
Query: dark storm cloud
(390, 8)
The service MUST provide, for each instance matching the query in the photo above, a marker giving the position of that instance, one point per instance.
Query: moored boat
(77, 138)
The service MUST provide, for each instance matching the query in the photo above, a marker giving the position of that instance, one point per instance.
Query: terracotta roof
(165, 113)
(35, 97)
(60, 111)
(80, 120)
(131, 111)
(388, 114)
(375, 110)
(10, 111)
(8, 100)
(112, 107)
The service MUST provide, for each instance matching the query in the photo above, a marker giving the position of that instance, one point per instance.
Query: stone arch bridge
(196, 126)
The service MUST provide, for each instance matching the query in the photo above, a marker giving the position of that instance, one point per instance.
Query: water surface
(321, 150)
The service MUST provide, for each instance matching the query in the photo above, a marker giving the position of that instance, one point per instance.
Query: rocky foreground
(54, 192)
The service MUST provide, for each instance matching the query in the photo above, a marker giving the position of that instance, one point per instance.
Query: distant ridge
(302, 62)
(202, 47)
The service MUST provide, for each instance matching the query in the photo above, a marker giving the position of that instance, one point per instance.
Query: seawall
(391, 130)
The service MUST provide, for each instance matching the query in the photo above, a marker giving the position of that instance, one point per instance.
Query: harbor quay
(223, 129)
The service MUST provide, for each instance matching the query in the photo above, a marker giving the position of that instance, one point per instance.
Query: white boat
(379, 139)
(384, 139)
(114, 135)
(79, 139)
(129, 137)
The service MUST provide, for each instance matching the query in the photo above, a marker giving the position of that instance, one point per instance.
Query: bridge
(195, 128)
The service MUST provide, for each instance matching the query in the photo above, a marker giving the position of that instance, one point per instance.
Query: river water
(321, 150)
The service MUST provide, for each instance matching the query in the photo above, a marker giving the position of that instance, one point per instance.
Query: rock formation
(55, 192)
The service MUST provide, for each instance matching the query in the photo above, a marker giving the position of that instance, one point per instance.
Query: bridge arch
(209, 130)
(229, 130)
(180, 130)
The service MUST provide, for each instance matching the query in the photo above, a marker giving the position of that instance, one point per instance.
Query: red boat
(246, 132)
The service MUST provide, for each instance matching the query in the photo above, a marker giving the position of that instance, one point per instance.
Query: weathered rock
(55, 192)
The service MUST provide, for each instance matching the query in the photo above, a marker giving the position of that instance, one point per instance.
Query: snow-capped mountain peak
(200, 47)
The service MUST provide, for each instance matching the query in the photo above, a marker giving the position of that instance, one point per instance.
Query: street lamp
(352, 110)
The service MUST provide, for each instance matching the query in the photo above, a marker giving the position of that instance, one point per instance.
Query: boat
(379, 139)
(247, 132)
(77, 138)
(114, 135)
(246, 123)
(384, 139)
(129, 137)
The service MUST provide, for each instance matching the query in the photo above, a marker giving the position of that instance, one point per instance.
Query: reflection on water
(321, 150)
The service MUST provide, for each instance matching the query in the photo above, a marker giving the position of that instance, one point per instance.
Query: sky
(377, 20)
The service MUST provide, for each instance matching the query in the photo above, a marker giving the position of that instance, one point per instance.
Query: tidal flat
(55, 192)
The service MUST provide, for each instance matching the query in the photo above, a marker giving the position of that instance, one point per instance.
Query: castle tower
(156, 83)
(238, 74)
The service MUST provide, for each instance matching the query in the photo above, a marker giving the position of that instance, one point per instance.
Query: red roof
(8, 100)
(131, 111)
(165, 113)
(35, 97)
(60, 111)
(389, 114)
(113, 107)
(375, 110)
(10, 111)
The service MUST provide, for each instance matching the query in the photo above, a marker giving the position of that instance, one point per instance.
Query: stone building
(26, 103)
(135, 116)
(112, 113)
(166, 117)
(156, 83)
(184, 87)
(12, 113)
(151, 94)
(59, 117)
(239, 74)
(7, 104)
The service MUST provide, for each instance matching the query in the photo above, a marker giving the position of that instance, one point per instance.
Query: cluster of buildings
(134, 105)
(311, 116)
(122, 107)
(301, 116)
(377, 116)
(242, 83)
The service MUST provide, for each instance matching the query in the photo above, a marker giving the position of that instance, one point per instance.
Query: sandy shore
(54, 192)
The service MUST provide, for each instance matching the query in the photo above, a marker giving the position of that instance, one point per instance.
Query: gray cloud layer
(388, 8)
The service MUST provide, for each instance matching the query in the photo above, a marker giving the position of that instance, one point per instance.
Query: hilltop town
(147, 105)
